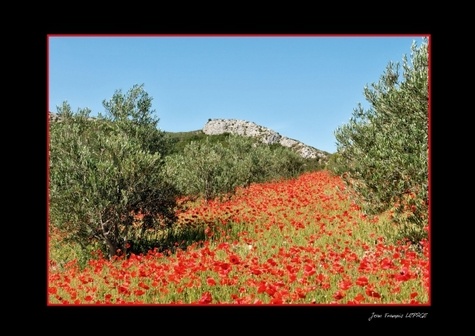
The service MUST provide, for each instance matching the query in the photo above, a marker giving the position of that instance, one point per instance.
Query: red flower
(206, 298)
(144, 286)
(359, 297)
(362, 281)
(386, 263)
(320, 277)
(301, 293)
(262, 287)
(256, 271)
(272, 262)
(396, 290)
(404, 275)
(309, 270)
(123, 290)
(326, 285)
(372, 293)
(345, 284)
(225, 266)
(234, 259)
(277, 300)
(210, 281)
(271, 290)
(338, 295)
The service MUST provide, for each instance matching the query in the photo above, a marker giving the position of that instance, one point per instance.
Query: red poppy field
(300, 241)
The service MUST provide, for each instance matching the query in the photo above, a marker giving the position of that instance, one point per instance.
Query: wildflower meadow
(299, 241)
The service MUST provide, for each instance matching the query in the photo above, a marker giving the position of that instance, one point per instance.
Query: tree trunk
(112, 247)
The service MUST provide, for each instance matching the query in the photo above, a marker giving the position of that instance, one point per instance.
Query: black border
(235, 316)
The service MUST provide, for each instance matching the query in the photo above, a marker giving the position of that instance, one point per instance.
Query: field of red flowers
(300, 241)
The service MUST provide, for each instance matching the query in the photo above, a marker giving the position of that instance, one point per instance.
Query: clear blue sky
(303, 87)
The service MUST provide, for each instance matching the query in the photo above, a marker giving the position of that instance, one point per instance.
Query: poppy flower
(309, 270)
(359, 297)
(372, 293)
(272, 262)
(234, 259)
(345, 284)
(362, 281)
(144, 286)
(301, 293)
(206, 298)
(210, 281)
(276, 300)
(338, 295)
(262, 287)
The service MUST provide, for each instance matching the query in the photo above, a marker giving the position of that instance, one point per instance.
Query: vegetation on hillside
(216, 168)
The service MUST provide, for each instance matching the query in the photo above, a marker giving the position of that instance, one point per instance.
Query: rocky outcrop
(263, 134)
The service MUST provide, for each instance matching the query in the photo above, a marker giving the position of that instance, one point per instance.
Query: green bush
(103, 171)
(132, 113)
(211, 168)
(179, 140)
(382, 153)
(334, 164)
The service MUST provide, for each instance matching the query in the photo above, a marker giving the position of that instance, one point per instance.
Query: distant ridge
(263, 134)
(250, 129)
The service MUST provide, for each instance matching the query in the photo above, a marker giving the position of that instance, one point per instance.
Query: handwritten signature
(398, 316)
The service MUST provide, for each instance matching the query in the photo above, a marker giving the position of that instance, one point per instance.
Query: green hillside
(179, 140)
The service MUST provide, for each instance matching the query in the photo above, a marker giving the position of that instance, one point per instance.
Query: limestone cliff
(263, 134)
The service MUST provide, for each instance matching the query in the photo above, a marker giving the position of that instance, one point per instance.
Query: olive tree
(199, 170)
(382, 153)
(132, 113)
(211, 169)
(103, 171)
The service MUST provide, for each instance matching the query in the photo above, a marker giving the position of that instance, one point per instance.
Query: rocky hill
(263, 134)
(250, 129)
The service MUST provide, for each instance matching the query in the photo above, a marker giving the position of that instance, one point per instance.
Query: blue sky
(303, 87)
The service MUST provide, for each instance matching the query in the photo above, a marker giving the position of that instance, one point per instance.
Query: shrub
(131, 112)
(382, 153)
(212, 168)
(102, 173)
